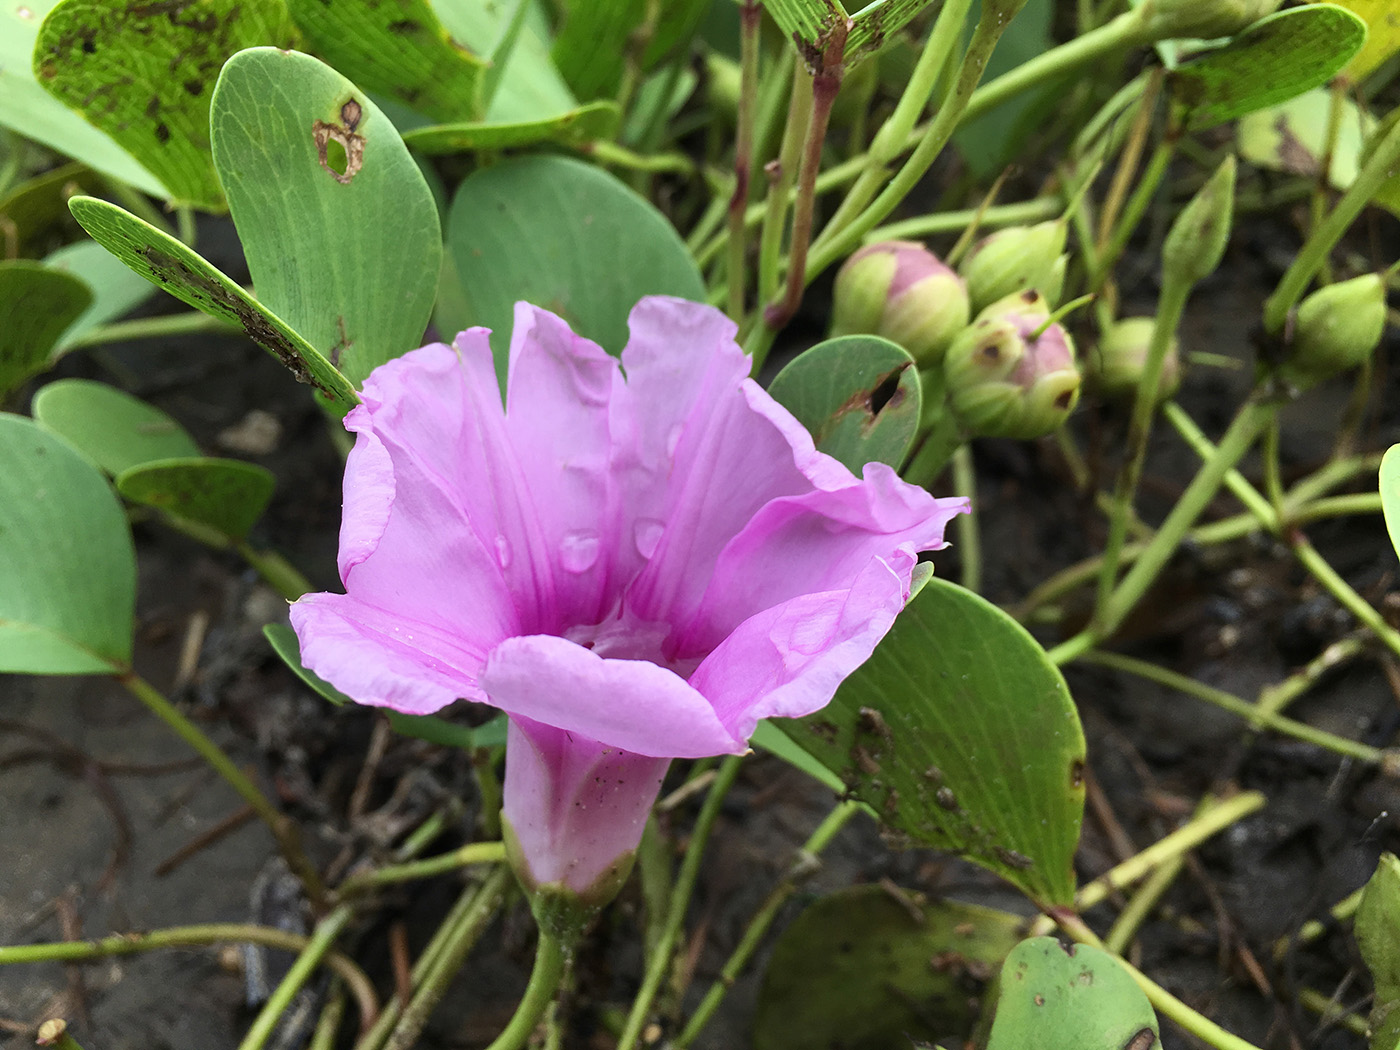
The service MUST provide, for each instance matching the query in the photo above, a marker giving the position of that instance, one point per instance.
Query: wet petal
(629, 704)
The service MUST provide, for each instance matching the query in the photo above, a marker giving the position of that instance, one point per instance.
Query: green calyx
(1016, 259)
(901, 291)
(1114, 369)
(563, 912)
(1336, 328)
(1196, 243)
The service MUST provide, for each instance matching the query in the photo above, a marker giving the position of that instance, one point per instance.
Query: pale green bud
(902, 291)
(1115, 368)
(1196, 243)
(1016, 259)
(1003, 379)
(1336, 328)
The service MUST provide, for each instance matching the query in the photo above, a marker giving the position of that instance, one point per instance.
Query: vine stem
(283, 829)
(327, 930)
(750, 19)
(680, 899)
(471, 853)
(199, 936)
(551, 960)
(190, 323)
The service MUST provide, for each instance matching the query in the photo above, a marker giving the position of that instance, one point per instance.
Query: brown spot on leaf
(1012, 859)
(350, 114)
(1143, 1039)
(354, 146)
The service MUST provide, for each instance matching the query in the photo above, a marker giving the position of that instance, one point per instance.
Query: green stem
(551, 958)
(192, 323)
(199, 935)
(472, 853)
(1379, 167)
(750, 20)
(1236, 482)
(1330, 1013)
(781, 177)
(1358, 606)
(1311, 930)
(328, 1024)
(327, 930)
(993, 217)
(660, 960)
(283, 829)
(1252, 713)
(1133, 211)
(276, 570)
(1274, 698)
(763, 919)
(616, 156)
(969, 538)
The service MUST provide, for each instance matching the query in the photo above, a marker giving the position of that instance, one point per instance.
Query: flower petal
(575, 807)
(380, 658)
(629, 704)
(788, 661)
(817, 542)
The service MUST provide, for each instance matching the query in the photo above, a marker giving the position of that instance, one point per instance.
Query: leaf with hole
(565, 236)
(226, 495)
(960, 733)
(144, 73)
(1077, 997)
(113, 429)
(858, 395)
(37, 304)
(865, 968)
(115, 289)
(596, 120)
(164, 261)
(348, 253)
(1275, 59)
(397, 47)
(27, 108)
(67, 567)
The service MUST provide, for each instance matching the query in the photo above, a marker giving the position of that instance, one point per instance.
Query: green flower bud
(1196, 242)
(1208, 19)
(1055, 283)
(1016, 259)
(1336, 328)
(1115, 370)
(1004, 380)
(902, 291)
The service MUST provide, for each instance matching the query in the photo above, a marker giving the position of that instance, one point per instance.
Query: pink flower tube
(635, 567)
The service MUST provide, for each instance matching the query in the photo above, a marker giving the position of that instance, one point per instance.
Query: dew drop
(25, 13)
(579, 551)
(503, 552)
(647, 536)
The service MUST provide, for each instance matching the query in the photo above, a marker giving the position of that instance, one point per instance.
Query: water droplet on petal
(579, 551)
(503, 552)
(673, 438)
(647, 535)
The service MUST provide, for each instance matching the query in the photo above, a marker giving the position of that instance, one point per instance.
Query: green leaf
(1382, 35)
(286, 645)
(226, 495)
(397, 47)
(113, 429)
(768, 737)
(1378, 936)
(115, 289)
(1293, 137)
(27, 108)
(36, 210)
(1054, 997)
(163, 260)
(596, 120)
(804, 22)
(1273, 60)
(36, 305)
(961, 735)
(860, 968)
(565, 236)
(1390, 494)
(143, 72)
(67, 568)
(807, 22)
(348, 252)
(594, 39)
(858, 395)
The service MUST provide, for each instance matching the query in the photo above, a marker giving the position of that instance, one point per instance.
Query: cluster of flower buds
(902, 291)
(1114, 370)
(1012, 372)
(1017, 259)
(1336, 328)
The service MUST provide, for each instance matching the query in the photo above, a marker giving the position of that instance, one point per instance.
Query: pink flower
(634, 569)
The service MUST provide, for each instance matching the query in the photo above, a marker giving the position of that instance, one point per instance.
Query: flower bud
(1196, 242)
(902, 291)
(1207, 19)
(1003, 379)
(1016, 259)
(1115, 370)
(1336, 328)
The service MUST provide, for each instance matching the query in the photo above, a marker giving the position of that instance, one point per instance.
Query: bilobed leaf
(166, 262)
(565, 236)
(860, 968)
(226, 495)
(347, 252)
(113, 429)
(858, 395)
(960, 734)
(143, 72)
(1390, 493)
(596, 120)
(1273, 60)
(397, 47)
(36, 305)
(67, 568)
(115, 289)
(1069, 997)
(27, 108)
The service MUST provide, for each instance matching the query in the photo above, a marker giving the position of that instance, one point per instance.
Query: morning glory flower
(636, 560)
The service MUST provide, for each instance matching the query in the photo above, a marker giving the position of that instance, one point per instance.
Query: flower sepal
(560, 910)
